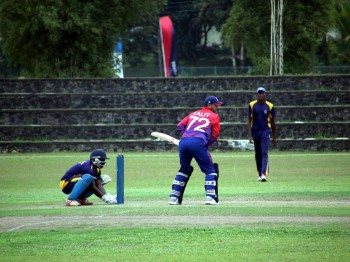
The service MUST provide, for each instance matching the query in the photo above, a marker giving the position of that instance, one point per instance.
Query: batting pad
(80, 187)
(210, 185)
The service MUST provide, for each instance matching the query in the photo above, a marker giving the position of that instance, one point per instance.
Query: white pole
(280, 14)
(272, 38)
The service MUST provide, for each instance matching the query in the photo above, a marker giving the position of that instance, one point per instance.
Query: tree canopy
(72, 38)
(305, 24)
(340, 36)
(193, 19)
(76, 38)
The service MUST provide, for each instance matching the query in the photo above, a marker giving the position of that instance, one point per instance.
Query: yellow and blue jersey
(82, 168)
(261, 115)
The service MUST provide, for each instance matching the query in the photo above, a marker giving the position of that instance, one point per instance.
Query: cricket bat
(166, 137)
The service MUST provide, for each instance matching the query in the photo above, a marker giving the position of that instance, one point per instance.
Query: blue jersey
(83, 168)
(261, 115)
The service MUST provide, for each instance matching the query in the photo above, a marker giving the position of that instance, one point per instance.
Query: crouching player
(199, 129)
(84, 179)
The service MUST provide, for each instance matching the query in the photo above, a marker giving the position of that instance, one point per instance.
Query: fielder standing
(199, 130)
(261, 123)
(84, 179)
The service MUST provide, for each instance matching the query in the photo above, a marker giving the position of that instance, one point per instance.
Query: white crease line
(27, 225)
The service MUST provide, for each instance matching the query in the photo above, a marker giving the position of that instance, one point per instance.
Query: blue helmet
(212, 100)
(98, 158)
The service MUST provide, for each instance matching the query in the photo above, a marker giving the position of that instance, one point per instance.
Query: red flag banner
(167, 34)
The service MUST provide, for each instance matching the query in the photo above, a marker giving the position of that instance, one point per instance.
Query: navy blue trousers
(261, 146)
(190, 148)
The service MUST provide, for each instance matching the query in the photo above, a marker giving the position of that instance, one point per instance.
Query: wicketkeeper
(84, 179)
(199, 129)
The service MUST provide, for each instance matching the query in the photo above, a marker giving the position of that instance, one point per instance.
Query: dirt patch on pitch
(9, 224)
(16, 223)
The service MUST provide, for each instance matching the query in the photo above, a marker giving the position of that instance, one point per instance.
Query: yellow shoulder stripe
(63, 184)
(270, 105)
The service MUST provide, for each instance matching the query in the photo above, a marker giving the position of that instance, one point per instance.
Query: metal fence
(223, 71)
(198, 71)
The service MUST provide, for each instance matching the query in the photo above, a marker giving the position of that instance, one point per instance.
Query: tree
(248, 26)
(193, 19)
(339, 37)
(276, 44)
(142, 45)
(5, 69)
(68, 38)
(304, 23)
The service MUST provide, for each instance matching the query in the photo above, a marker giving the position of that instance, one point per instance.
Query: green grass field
(301, 214)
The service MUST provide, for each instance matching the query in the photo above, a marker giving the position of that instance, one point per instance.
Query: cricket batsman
(199, 130)
(84, 179)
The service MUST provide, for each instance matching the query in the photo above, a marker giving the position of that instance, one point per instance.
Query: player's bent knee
(81, 186)
(88, 178)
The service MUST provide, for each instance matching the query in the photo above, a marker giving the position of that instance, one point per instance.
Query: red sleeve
(216, 128)
(181, 126)
(215, 131)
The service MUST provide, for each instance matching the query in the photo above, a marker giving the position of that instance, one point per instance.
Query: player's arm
(215, 132)
(249, 129)
(99, 186)
(273, 129)
(273, 125)
(249, 125)
(181, 126)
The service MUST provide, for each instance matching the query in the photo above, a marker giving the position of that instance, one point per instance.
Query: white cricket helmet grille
(98, 158)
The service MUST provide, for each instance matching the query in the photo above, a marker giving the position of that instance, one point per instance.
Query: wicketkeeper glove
(106, 179)
(108, 198)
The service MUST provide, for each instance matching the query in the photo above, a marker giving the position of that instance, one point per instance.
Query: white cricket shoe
(210, 201)
(72, 203)
(174, 201)
(263, 178)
